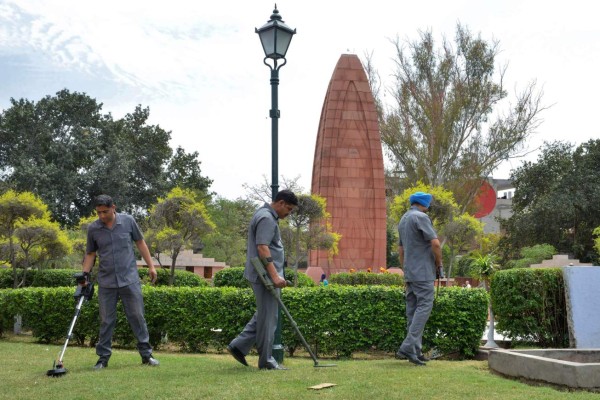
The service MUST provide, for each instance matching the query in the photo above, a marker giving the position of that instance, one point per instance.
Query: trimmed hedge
(36, 278)
(336, 320)
(234, 277)
(64, 277)
(530, 306)
(182, 278)
(366, 278)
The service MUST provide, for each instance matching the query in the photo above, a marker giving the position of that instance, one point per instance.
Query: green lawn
(219, 376)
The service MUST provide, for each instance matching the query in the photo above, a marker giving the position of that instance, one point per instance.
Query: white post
(490, 336)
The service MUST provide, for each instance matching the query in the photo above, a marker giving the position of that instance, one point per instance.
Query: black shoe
(237, 354)
(150, 361)
(423, 358)
(101, 364)
(277, 367)
(413, 358)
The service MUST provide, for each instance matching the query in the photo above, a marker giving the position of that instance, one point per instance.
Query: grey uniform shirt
(264, 229)
(416, 232)
(114, 248)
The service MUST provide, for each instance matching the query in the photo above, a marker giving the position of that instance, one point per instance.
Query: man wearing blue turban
(420, 255)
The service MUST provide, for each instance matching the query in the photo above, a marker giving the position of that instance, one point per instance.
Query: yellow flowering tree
(27, 237)
(177, 221)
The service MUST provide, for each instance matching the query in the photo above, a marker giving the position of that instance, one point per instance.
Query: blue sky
(198, 66)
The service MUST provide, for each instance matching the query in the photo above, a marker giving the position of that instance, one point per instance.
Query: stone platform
(575, 368)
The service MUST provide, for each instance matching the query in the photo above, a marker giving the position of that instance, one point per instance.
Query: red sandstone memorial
(348, 172)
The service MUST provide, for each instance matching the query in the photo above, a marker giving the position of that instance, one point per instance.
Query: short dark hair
(103, 200)
(288, 196)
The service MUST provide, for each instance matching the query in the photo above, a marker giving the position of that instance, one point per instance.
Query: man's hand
(152, 274)
(278, 281)
(439, 272)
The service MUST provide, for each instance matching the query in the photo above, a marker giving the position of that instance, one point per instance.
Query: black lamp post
(275, 37)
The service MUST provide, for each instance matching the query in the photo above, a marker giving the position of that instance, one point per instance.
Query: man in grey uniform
(420, 255)
(264, 241)
(111, 237)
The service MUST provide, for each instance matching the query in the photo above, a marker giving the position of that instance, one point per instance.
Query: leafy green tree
(460, 234)
(440, 128)
(129, 164)
(15, 209)
(484, 266)
(63, 149)
(184, 171)
(555, 201)
(308, 228)
(532, 255)
(47, 146)
(442, 210)
(176, 222)
(227, 242)
(40, 241)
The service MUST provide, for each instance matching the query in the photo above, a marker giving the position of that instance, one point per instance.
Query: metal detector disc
(56, 372)
(324, 365)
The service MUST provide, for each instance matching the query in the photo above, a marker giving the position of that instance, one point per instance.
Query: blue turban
(421, 198)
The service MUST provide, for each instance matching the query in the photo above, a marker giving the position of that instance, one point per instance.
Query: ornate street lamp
(275, 37)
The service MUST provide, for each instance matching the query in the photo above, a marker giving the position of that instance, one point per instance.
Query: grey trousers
(419, 302)
(261, 328)
(133, 304)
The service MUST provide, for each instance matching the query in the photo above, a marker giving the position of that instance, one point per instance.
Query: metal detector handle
(264, 277)
(262, 274)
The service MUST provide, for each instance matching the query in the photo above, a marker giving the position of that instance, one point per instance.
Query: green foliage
(597, 239)
(442, 208)
(461, 234)
(64, 277)
(484, 265)
(181, 278)
(235, 277)
(532, 255)
(35, 278)
(176, 222)
(40, 241)
(227, 243)
(366, 278)
(63, 149)
(391, 244)
(555, 201)
(184, 172)
(440, 129)
(336, 320)
(530, 306)
(16, 211)
(308, 228)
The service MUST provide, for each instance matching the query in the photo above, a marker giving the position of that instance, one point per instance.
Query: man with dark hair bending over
(264, 241)
(110, 237)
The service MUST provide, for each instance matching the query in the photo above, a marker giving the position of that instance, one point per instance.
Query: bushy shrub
(234, 277)
(530, 306)
(303, 279)
(366, 278)
(336, 320)
(36, 278)
(64, 277)
(532, 255)
(181, 278)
